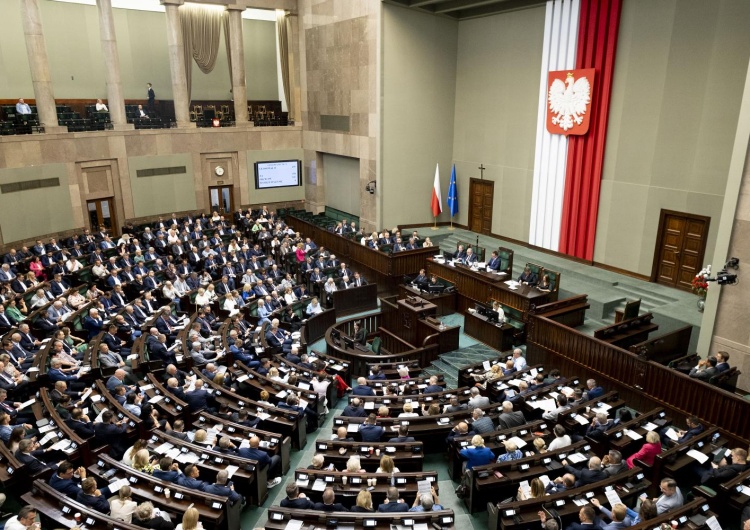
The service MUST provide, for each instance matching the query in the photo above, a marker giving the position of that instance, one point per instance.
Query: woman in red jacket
(648, 452)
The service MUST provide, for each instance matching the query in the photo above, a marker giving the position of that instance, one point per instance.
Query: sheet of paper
(612, 497)
(545, 480)
(27, 403)
(293, 524)
(547, 405)
(424, 486)
(369, 405)
(632, 434)
(32, 369)
(164, 448)
(672, 434)
(581, 419)
(697, 455)
(132, 356)
(155, 399)
(47, 437)
(46, 428)
(746, 491)
(61, 445)
(649, 426)
(263, 415)
(319, 485)
(518, 441)
(231, 470)
(352, 427)
(533, 372)
(577, 458)
(713, 523)
(486, 366)
(580, 502)
(115, 486)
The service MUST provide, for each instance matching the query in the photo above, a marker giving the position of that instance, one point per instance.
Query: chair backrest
(536, 269)
(506, 259)
(376, 345)
(632, 307)
(554, 279)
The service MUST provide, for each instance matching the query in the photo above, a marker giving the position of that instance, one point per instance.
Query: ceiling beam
(487, 10)
(422, 3)
(458, 5)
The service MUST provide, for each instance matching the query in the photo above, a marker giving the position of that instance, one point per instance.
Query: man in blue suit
(199, 399)
(362, 389)
(64, 482)
(273, 462)
(93, 323)
(168, 470)
(371, 432)
(494, 263)
(190, 478)
(394, 503)
(594, 391)
(224, 488)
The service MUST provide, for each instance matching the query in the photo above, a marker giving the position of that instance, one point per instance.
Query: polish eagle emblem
(569, 101)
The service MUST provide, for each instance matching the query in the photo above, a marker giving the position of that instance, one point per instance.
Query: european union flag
(453, 193)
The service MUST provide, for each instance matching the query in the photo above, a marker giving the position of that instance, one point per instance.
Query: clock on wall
(219, 170)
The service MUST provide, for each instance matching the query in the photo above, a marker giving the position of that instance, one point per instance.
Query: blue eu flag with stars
(453, 193)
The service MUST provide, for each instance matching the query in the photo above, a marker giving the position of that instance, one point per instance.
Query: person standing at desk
(151, 97)
(527, 277)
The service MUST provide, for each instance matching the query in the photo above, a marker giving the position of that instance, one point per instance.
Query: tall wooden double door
(680, 248)
(480, 205)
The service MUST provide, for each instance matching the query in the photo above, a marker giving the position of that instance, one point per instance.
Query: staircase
(449, 363)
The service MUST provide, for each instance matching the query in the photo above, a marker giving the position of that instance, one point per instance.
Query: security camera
(733, 263)
(370, 187)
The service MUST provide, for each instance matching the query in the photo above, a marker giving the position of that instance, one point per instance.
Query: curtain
(283, 35)
(228, 46)
(201, 31)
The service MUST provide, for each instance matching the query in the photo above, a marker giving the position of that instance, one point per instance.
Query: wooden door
(221, 199)
(102, 216)
(480, 205)
(680, 247)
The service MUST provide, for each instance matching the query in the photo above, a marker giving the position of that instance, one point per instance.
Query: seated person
(362, 389)
(369, 431)
(393, 503)
(354, 408)
(93, 497)
(494, 263)
(527, 277)
(329, 503)
(403, 435)
(295, 499)
(427, 502)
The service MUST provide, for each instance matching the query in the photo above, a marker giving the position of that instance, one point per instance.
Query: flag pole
(434, 227)
(451, 226)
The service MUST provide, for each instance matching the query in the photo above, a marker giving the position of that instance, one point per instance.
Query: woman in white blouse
(122, 506)
(408, 411)
(289, 296)
(211, 292)
(201, 298)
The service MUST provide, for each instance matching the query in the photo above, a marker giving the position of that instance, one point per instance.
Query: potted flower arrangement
(700, 287)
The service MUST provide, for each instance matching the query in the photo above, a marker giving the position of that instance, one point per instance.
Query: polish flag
(437, 199)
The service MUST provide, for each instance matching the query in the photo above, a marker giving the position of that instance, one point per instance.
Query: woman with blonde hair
(432, 410)
(354, 465)
(141, 462)
(512, 452)
(364, 502)
(264, 397)
(122, 506)
(387, 465)
(536, 490)
(408, 411)
(539, 445)
(477, 454)
(190, 520)
(201, 437)
(129, 456)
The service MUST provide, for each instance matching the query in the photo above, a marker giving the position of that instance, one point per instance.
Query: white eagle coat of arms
(569, 102)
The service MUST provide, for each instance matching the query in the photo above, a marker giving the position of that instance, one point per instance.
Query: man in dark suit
(64, 482)
(598, 426)
(329, 503)
(705, 370)
(110, 433)
(80, 424)
(592, 473)
(394, 503)
(433, 386)
(190, 478)
(354, 409)
(223, 487)
(594, 391)
(722, 361)
(295, 499)
(527, 277)
(199, 399)
(362, 389)
(93, 323)
(510, 418)
(371, 432)
(151, 98)
(157, 349)
(460, 253)
(273, 462)
(494, 263)
(724, 471)
(93, 497)
(403, 435)
(169, 470)
(587, 516)
(29, 454)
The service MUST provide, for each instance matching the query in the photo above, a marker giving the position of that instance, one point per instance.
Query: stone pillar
(115, 100)
(177, 64)
(39, 66)
(237, 52)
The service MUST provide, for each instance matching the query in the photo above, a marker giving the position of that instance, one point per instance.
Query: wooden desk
(408, 456)
(477, 287)
(279, 517)
(497, 336)
(355, 300)
(409, 313)
(445, 302)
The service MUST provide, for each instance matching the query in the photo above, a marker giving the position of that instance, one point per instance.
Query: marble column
(115, 100)
(39, 66)
(177, 64)
(237, 53)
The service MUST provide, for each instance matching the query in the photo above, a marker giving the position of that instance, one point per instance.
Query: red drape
(597, 44)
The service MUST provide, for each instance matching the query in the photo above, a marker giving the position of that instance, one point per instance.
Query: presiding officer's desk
(346, 494)
(278, 519)
(478, 287)
(407, 456)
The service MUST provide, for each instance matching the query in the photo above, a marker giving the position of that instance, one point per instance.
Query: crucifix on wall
(481, 171)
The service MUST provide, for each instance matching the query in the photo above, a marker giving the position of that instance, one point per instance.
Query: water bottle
(393, 479)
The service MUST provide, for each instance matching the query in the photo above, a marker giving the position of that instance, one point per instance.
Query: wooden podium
(416, 322)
